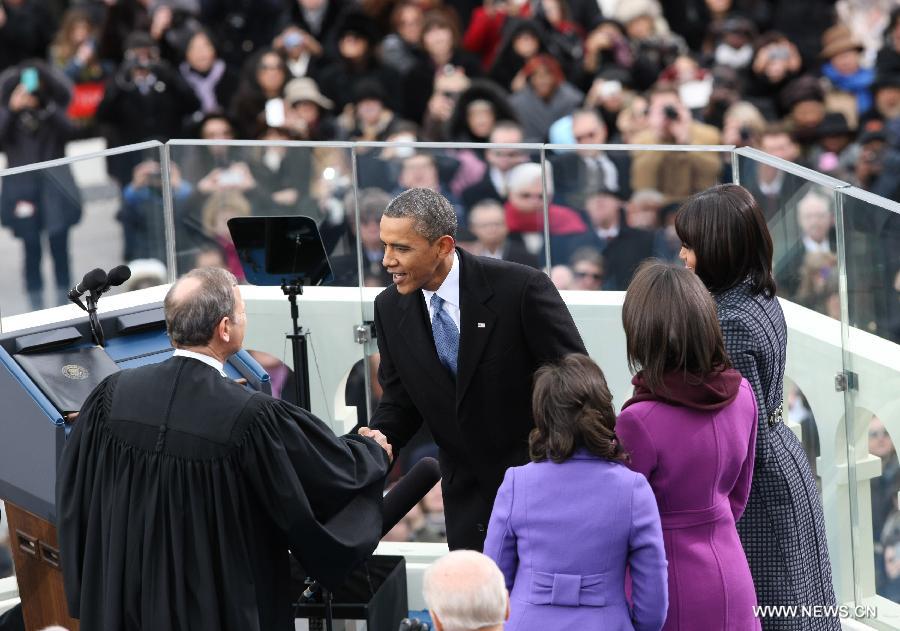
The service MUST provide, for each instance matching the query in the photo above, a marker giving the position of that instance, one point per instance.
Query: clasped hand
(379, 438)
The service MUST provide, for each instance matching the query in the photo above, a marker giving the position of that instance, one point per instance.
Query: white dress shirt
(449, 291)
(816, 246)
(206, 359)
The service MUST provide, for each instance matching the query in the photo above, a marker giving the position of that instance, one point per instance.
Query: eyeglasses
(594, 275)
(530, 195)
(587, 136)
(878, 433)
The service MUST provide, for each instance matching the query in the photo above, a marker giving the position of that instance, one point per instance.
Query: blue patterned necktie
(446, 336)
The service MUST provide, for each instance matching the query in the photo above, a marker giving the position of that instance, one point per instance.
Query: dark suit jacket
(481, 190)
(512, 321)
(570, 175)
(621, 255)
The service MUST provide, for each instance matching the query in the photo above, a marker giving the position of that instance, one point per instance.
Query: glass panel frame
(869, 383)
(815, 356)
(67, 176)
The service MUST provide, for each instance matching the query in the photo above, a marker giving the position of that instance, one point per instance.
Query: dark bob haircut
(725, 228)
(572, 408)
(671, 325)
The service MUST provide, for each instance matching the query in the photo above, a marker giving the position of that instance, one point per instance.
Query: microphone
(408, 492)
(116, 276)
(92, 281)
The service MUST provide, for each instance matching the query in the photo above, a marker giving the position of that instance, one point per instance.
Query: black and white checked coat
(782, 529)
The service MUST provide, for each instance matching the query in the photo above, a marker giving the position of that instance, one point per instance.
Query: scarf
(204, 86)
(716, 390)
(562, 220)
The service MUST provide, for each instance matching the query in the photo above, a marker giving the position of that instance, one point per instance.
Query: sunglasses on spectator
(594, 275)
(587, 136)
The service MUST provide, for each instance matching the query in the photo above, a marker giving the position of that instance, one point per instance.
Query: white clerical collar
(608, 233)
(816, 246)
(449, 289)
(206, 359)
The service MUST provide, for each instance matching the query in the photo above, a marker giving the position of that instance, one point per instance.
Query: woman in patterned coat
(726, 242)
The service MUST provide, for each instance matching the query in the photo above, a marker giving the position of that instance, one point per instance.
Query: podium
(34, 432)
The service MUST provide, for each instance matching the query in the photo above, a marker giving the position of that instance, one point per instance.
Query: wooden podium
(36, 556)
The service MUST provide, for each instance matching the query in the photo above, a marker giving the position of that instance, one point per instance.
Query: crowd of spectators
(814, 82)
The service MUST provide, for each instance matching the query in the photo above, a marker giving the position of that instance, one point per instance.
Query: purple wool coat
(563, 535)
(700, 465)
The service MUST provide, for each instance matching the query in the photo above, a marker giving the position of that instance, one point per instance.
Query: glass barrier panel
(871, 381)
(215, 181)
(612, 206)
(799, 206)
(67, 217)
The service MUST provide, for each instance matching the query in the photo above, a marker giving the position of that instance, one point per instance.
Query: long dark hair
(572, 408)
(671, 325)
(727, 231)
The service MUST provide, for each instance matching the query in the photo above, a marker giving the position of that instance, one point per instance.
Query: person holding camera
(674, 174)
(145, 100)
(34, 128)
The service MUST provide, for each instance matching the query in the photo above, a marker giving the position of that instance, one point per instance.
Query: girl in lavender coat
(690, 428)
(565, 526)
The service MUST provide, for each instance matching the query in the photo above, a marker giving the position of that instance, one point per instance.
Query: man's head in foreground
(465, 591)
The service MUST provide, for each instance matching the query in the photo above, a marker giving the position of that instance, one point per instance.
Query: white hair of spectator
(527, 174)
(431, 212)
(466, 591)
(812, 195)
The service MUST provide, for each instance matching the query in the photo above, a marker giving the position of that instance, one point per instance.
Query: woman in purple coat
(565, 526)
(691, 430)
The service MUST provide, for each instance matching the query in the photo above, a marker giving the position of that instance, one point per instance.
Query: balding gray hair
(432, 214)
(527, 173)
(191, 319)
(466, 590)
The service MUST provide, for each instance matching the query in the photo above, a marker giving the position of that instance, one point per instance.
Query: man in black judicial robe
(508, 319)
(180, 492)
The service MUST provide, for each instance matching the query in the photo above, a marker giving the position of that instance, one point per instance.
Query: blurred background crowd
(813, 82)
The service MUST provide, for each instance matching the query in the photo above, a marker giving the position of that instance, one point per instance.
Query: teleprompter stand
(284, 252)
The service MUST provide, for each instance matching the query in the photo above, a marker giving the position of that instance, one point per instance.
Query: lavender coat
(700, 465)
(563, 535)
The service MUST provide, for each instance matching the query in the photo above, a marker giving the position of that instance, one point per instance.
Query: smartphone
(275, 113)
(610, 88)
(30, 79)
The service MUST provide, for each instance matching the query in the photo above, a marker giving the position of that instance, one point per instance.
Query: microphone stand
(96, 329)
(315, 588)
(298, 339)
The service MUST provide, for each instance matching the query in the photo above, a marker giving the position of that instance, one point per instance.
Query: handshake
(382, 440)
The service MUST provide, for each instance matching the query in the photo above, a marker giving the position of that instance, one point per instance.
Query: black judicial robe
(179, 494)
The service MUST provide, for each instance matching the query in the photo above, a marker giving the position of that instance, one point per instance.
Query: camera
(670, 112)
(293, 40)
(779, 53)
